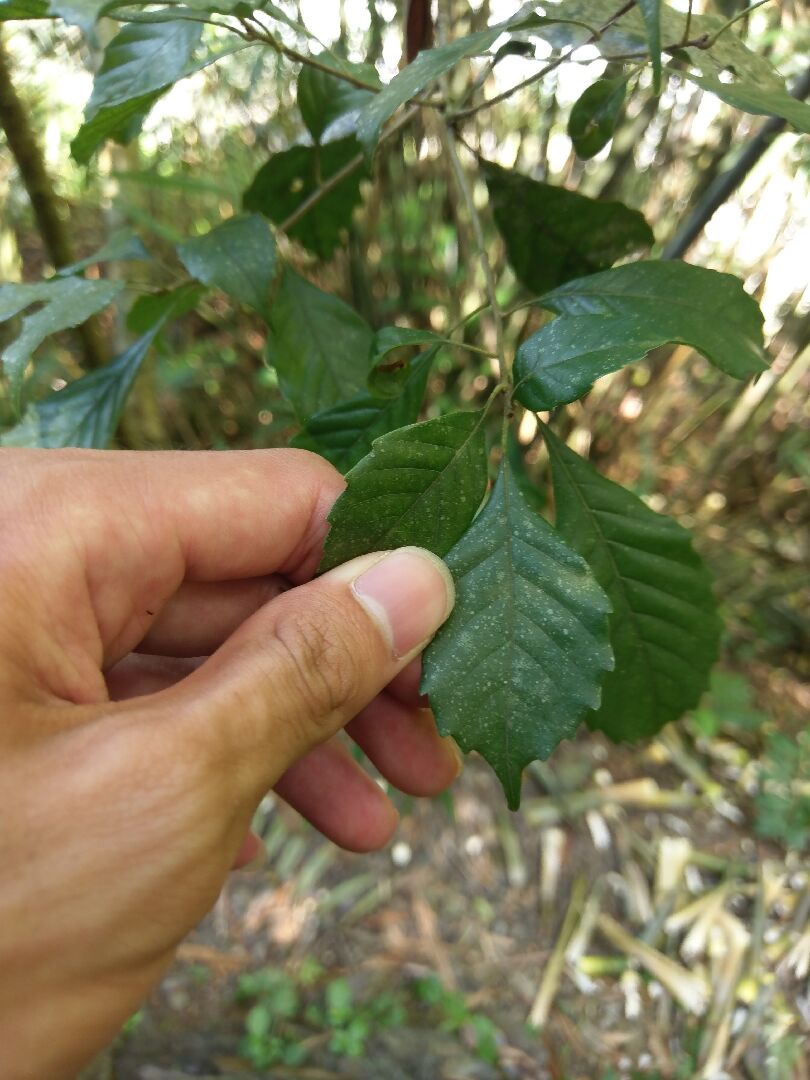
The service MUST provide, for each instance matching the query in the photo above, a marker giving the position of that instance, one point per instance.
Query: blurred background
(647, 913)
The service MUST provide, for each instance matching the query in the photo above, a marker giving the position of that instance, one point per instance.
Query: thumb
(304, 665)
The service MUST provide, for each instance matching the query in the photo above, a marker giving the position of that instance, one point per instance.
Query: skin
(165, 660)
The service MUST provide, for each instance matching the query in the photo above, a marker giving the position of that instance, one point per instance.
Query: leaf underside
(520, 660)
(664, 628)
(420, 486)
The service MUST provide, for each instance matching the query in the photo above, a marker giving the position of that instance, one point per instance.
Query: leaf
(595, 114)
(24, 9)
(425, 69)
(651, 13)
(86, 412)
(616, 317)
(122, 246)
(81, 13)
(728, 68)
(288, 179)
(318, 345)
(420, 486)
(123, 121)
(387, 375)
(553, 235)
(238, 256)
(154, 307)
(345, 433)
(66, 302)
(521, 657)
(141, 59)
(664, 628)
(325, 98)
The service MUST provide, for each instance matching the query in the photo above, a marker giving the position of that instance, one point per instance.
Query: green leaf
(154, 307)
(616, 317)
(238, 256)
(651, 13)
(420, 486)
(66, 302)
(728, 68)
(553, 235)
(388, 375)
(141, 59)
(428, 66)
(595, 114)
(345, 433)
(664, 628)
(86, 412)
(81, 13)
(288, 179)
(520, 660)
(318, 345)
(123, 121)
(122, 246)
(24, 9)
(324, 99)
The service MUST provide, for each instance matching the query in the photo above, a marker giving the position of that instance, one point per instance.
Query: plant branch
(466, 194)
(337, 178)
(549, 67)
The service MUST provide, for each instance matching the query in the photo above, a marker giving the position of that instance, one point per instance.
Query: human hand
(129, 767)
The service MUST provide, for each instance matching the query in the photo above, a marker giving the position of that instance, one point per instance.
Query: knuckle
(316, 648)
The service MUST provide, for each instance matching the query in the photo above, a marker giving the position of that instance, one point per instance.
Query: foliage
(783, 802)
(605, 616)
(284, 1010)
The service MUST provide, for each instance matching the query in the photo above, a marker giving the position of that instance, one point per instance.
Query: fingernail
(410, 593)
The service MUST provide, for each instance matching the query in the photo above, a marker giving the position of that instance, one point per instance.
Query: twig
(551, 66)
(478, 232)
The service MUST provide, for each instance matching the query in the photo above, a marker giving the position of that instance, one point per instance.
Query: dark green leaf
(121, 123)
(141, 59)
(520, 660)
(288, 179)
(616, 317)
(122, 246)
(318, 345)
(24, 9)
(324, 98)
(154, 307)
(86, 412)
(595, 114)
(664, 628)
(428, 66)
(420, 486)
(345, 433)
(66, 302)
(651, 13)
(238, 256)
(553, 235)
(388, 374)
